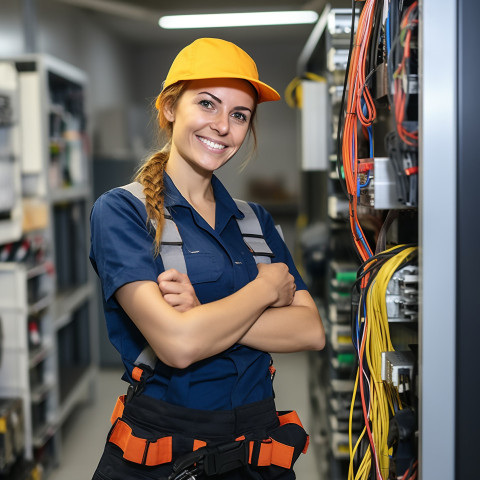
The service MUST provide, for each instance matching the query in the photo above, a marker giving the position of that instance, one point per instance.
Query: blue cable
(363, 185)
(387, 33)
(361, 237)
(370, 142)
(370, 139)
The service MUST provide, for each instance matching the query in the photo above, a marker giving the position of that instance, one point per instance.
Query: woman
(194, 338)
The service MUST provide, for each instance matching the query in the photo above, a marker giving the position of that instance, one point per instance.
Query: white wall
(11, 28)
(76, 37)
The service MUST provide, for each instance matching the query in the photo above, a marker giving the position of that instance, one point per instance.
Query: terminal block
(378, 182)
(395, 364)
(402, 295)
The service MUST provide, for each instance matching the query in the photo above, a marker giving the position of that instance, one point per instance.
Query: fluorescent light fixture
(238, 19)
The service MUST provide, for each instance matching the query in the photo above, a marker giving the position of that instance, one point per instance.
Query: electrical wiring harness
(371, 337)
(375, 42)
(359, 107)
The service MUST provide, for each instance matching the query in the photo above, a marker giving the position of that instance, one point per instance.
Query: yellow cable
(382, 396)
(293, 91)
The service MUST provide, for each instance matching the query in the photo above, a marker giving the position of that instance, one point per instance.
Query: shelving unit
(47, 298)
(10, 196)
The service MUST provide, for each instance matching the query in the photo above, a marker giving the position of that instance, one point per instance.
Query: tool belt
(281, 449)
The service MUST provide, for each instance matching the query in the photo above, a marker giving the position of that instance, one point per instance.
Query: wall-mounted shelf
(47, 300)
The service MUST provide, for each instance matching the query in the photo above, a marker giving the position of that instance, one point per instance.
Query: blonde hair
(150, 173)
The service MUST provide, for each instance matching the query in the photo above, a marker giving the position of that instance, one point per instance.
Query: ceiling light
(238, 19)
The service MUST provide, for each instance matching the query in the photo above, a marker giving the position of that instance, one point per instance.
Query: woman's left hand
(177, 290)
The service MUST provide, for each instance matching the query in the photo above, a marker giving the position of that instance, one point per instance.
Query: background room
(78, 80)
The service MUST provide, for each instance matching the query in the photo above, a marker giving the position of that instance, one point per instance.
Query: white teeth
(212, 144)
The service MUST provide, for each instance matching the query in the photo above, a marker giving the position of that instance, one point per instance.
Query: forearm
(216, 326)
(294, 328)
(182, 338)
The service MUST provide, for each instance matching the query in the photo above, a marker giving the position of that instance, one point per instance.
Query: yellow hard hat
(216, 58)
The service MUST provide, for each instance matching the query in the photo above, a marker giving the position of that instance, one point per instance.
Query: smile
(216, 146)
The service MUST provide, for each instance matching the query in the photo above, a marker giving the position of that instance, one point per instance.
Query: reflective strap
(198, 444)
(118, 408)
(252, 233)
(139, 450)
(292, 417)
(137, 373)
(136, 189)
(171, 247)
(289, 417)
(271, 453)
(147, 357)
(307, 443)
(172, 257)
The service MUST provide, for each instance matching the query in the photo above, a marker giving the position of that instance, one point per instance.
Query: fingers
(177, 290)
(173, 275)
(174, 287)
(181, 302)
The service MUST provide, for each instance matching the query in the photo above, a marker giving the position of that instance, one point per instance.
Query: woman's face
(210, 122)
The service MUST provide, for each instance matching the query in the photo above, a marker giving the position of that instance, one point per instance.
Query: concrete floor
(84, 434)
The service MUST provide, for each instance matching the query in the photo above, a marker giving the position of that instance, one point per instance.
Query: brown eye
(206, 103)
(240, 116)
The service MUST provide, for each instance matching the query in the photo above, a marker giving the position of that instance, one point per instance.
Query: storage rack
(47, 295)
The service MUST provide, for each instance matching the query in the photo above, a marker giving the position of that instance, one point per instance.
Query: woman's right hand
(280, 280)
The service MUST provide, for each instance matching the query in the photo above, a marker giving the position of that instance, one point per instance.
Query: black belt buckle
(187, 474)
(188, 466)
(225, 458)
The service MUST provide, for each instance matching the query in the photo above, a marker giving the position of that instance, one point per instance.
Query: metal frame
(438, 164)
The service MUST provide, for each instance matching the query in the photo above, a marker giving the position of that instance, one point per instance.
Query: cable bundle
(369, 455)
(371, 337)
(359, 108)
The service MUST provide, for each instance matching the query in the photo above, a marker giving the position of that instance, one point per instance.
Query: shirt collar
(226, 206)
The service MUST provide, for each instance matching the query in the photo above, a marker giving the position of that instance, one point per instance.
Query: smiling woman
(211, 121)
(197, 289)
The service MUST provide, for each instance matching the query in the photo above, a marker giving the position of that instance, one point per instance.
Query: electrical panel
(365, 382)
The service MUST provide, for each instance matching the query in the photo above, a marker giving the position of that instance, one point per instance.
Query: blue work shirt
(218, 264)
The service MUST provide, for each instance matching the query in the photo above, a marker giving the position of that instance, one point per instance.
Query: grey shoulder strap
(171, 247)
(252, 233)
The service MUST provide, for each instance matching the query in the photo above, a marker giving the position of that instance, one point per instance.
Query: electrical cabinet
(364, 384)
(47, 293)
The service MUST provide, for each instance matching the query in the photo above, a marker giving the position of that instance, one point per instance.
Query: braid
(150, 175)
